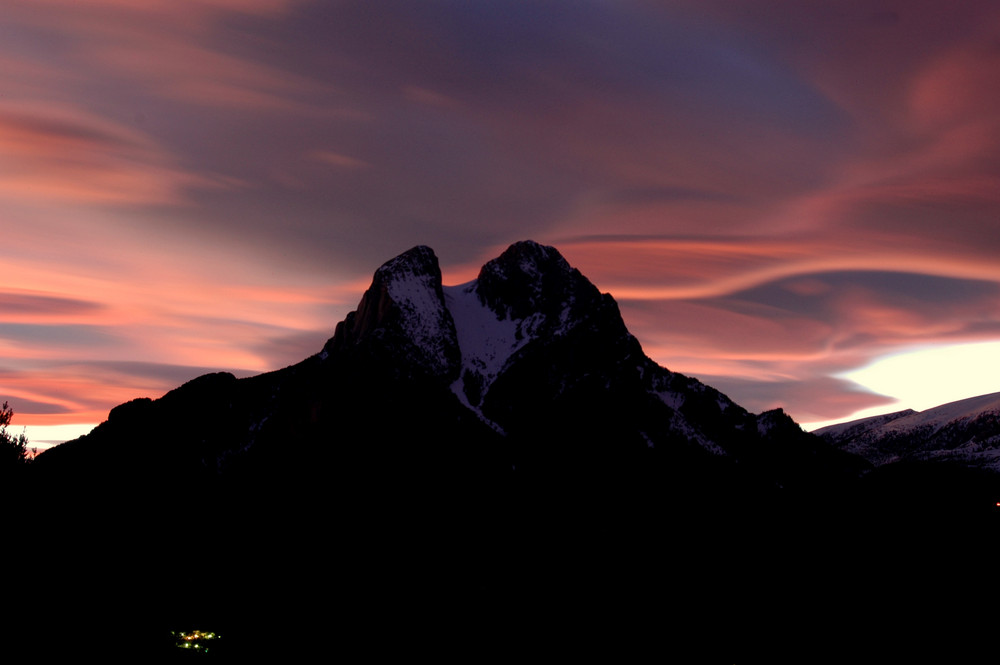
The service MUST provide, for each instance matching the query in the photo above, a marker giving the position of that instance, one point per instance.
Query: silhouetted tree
(14, 450)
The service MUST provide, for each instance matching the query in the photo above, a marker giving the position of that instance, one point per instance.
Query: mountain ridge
(965, 432)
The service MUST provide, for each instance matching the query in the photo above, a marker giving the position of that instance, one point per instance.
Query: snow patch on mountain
(674, 400)
(680, 425)
(853, 427)
(486, 341)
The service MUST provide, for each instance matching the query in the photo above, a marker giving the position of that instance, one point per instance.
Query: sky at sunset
(795, 201)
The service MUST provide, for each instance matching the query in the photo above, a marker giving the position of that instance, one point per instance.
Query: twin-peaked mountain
(528, 367)
(473, 466)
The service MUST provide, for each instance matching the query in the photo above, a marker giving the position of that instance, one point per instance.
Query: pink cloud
(54, 153)
(195, 74)
(170, 49)
(960, 86)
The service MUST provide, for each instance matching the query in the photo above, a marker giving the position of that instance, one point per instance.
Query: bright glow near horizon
(927, 377)
(46, 436)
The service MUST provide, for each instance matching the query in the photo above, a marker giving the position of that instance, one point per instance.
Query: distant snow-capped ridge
(966, 431)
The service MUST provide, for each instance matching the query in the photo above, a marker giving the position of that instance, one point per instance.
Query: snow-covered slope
(486, 340)
(527, 293)
(941, 416)
(966, 431)
(854, 427)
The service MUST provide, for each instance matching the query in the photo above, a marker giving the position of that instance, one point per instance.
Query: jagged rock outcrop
(403, 316)
(529, 279)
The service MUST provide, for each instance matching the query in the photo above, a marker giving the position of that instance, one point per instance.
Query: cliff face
(403, 316)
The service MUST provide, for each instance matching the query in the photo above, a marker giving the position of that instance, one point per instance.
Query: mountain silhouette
(465, 470)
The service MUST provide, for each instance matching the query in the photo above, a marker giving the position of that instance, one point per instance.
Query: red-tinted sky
(777, 192)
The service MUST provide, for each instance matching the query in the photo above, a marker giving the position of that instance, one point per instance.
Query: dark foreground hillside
(570, 567)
